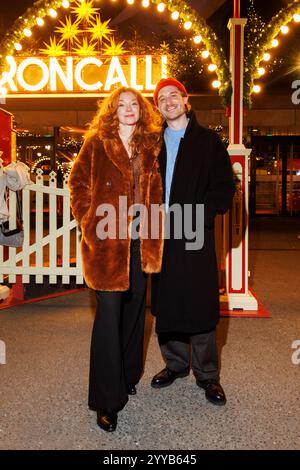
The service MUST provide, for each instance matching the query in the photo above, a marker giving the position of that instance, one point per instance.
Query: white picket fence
(51, 239)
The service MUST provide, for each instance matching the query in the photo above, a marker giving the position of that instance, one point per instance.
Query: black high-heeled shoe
(107, 421)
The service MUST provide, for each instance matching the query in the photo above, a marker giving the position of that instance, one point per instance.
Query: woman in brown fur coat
(116, 169)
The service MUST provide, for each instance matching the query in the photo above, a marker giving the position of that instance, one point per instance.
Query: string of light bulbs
(188, 19)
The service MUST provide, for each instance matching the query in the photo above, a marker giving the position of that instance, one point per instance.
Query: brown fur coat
(101, 173)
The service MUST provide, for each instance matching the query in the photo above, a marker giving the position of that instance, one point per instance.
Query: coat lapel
(116, 152)
(148, 159)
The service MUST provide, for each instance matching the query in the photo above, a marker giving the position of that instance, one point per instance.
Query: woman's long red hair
(148, 130)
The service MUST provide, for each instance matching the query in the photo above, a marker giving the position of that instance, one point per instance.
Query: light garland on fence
(269, 38)
(180, 12)
(44, 159)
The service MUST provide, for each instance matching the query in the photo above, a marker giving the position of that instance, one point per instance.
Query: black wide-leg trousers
(117, 340)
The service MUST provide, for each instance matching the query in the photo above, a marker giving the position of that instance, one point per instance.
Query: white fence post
(52, 227)
(66, 236)
(39, 223)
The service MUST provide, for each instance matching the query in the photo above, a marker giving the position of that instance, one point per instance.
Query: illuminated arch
(180, 12)
(260, 54)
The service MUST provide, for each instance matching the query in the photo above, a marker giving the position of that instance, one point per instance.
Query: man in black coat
(196, 173)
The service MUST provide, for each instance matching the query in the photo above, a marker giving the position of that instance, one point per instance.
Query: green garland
(211, 42)
(199, 27)
(255, 56)
(15, 34)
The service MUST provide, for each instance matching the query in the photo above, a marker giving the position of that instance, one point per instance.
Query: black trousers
(117, 340)
(198, 351)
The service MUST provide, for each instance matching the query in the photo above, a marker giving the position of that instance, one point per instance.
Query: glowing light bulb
(216, 84)
(296, 18)
(284, 29)
(261, 71)
(130, 2)
(18, 46)
(256, 88)
(267, 56)
(66, 3)
(161, 7)
(175, 15)
(53, 13)
(145, 3)
(205, 54)
(197, 39)
(187, 25)
(212, 67)
(275, 42)
(27, 32)
(40, 21)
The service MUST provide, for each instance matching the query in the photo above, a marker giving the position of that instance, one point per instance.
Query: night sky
(11, 10)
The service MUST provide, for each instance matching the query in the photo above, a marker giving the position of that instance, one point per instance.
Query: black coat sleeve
(221, 186)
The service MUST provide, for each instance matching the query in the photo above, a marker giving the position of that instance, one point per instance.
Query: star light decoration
(85, 48)
(54, 49)
(114, 48)
(100, 30)
(68, 30)
(85, 10)
(84, 33)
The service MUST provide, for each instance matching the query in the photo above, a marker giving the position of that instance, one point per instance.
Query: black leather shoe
(166, 377)
(131, 390)
(213, 391)
(107, 421)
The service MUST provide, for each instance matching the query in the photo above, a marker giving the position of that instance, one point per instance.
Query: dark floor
(43, 388)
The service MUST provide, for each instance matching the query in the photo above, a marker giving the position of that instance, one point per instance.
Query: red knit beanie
(168, 82)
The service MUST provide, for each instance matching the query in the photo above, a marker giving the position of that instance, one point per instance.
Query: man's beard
(176, 116)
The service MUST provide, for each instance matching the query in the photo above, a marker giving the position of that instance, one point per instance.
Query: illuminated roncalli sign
(88, 76)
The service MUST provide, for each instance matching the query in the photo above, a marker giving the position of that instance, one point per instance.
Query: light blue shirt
(172, 141)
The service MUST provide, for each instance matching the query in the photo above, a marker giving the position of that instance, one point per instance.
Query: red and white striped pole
(236, 26)
(238, 295)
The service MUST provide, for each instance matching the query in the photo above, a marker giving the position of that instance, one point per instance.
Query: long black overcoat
(185, 295)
